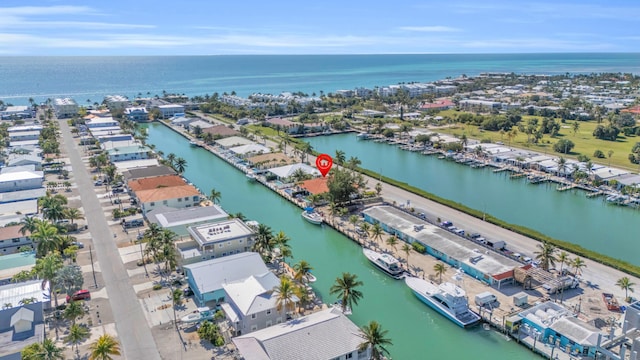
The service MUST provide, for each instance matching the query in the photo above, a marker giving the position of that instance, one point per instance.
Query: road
(133, 333)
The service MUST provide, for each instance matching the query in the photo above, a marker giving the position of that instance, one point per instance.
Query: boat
(362, 136)
(448, 299)
(312, 216)
(611, 302)
(193, 143)
(310, 277)
(201, 314)
(251, 177)
(385, 262)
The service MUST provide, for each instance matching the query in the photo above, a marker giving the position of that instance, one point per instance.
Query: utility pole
(95, 283)
(144, 263)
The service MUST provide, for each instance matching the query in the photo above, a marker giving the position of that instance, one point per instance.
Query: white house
(323, 335)
(175, 196)
(214, 240)
(199, 124)
(125, 153)
(169, 110)
(100, 122)
(24, 135)
(136, 113)
(285, 172)
(249, 150)
(116, 102)
(21, 180)
(24, 160)
(65, 108)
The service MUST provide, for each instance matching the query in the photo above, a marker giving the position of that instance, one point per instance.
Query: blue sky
(205, 27)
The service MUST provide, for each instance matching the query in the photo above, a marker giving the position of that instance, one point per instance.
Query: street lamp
(535, 338)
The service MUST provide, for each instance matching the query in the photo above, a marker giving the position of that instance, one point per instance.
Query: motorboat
(310, 278)
(193, 143)
(362, 136)
(447, 298)
(251, 177)
(201, 314)
(385, 262)
(312, 216)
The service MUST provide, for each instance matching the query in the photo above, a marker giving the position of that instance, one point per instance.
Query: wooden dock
(517, 175)
(566, 187)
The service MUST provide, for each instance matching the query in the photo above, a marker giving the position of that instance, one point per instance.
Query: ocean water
(89, 79)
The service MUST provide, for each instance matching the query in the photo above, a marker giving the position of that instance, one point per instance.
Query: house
(21, 180)
(102, 122)
(214, 240)
(124, 153)
(19, 128)
(178, 220)
(25, 160)
(250, 304)
(479, 105)
(164, 181)
(136, 113)
(176, 196)
(323, 335)
(220, 131)
(116, 102)
(265, 161)
(147, 172)
(15, 112)
(233, 141)
(286, 172)
(22, 324)
(316, 186)
(11, 239)
(206, 278)
(169, 110)
(201, 124)
(441, 104)
(24, 135)
(122, 166)
(244, 151)
(65, 108)
(181, 121)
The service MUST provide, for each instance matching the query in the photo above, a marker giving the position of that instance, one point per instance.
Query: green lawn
(585, 142)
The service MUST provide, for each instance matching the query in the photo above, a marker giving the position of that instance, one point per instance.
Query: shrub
(583, 158)
(157, 287)
(418, 247)
(598, 154)
(563, 146)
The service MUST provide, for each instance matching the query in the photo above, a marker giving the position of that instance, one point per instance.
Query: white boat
(193, 143)
(310, 277)
(312, 217)
(448, 299)
(385, 262)
(251, 177)
(201, 314)
(362, 136)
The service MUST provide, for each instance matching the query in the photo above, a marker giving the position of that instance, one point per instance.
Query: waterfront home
(265, 161)
(201, 124)
(112, 144)
(102, 122)
(178, 220)
(215, 239)
(169, 110)
(11, 239)
(22, 324)
(473, 258)
(124, 153)
(220, 131)
(245, 151)
(136, 114)
(440, 104)
(146, 172)
(131, 164)
(553, 324)
(65, 108)
(233, 141)
(628, 180)
(181, 120)
(315, 186)
(21, 180)
(607, 174)
(206, 278)
(285, 173)
(116, 102)
(326, 334)
(250, 304)
(164, 181)
(479, 105)
(104, 136)
(175, 196)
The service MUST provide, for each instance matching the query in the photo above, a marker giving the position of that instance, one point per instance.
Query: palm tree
(46, 238)
(563, 258)
(171, 158)
(407, 250)
(625, 284)
(73, 311)
(366, 228)
(180, 165)
(73, 214)
(339, 157)
(546, 255)
(393, 242)
(562, 166)
(375, 339)
(353, 220)
(263, 241)
(50, 351)
(285, 295)
(77, 334)
(215, 196)
(281, 241)
(353, 163)
(176, 298)
(439, 269)
(47, 269)
(345, 288)
(578, 264)
(302, 269)
(376, 232)
(104, 347)
(29, 224)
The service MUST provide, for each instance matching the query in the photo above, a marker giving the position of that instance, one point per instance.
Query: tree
(302, 270)
(563, 146)
(176, 298)
(342, 185)
(353, 220)
(47, 269)
(546, 255)
(345, 288)
(575, 127)
(215, 196)
(73, 214)
(578, 264)
(77, 334)
(180, 165)
(281, 241)
(69, 279)
(47, 350)
(375, 339)
(378, 189)
(285, 295)
(29, 224)
(339, 157)
(171, 158)
(104, 348)
(406, 248)
(366, 228)
(73, 311)
(625, 284)
(393, 242)
(609, 155)
(376, 232)
(563, 258)
(439, 269)
(353, 163)
(263, 241)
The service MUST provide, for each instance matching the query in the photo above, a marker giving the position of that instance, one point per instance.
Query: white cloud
(430, 28)
(44, 10)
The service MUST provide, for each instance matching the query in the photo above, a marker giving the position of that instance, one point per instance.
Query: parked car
(117, 190)
(446, 224)
(97, 182)
(117, 201)
(79, 295)
(187, 291)
(474, 235)
(78, 244)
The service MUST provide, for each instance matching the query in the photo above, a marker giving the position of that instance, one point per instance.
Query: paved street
(132, 330)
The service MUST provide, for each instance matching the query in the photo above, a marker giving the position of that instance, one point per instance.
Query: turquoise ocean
(91, 78)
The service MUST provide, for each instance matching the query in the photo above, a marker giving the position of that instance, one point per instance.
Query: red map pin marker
(324, 163)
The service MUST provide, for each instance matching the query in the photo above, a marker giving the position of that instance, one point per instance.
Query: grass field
(584, 141)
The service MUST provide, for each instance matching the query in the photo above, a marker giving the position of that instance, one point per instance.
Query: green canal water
(570, 215)
(417, 332)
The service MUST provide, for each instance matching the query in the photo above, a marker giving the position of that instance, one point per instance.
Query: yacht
(312, 216)
(201, 314)
(251, 177)
(387, 263)
(448, 299)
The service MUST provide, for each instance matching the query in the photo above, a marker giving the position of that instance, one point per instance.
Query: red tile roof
(166, 193)
(155, 182)
(316, 186)
(11, 232)
(633, 110)
(438, 104)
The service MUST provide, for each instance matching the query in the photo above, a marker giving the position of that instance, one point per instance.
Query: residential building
(233, 141)
(65, 108)
(147, 172)
(201, 124)
(249, 150)
(176, 196)
(125, 153)
(116, 102)
(24, 160)
(214, 240)
(479, 105)
(164, 181)
(250, 304)
(16, 112)
(21, 180)
(102, 122)
(169, 110)
(24, 135)
(11, 239)
(324, 335)
(285, 173)
(20, 128)
(220, 131)
(206, 278)
(178, 220)
(136, 113)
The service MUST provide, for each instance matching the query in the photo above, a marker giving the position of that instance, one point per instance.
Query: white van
(485, 298)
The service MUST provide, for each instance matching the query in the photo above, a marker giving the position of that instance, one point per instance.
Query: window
(196, 198)
(269, 312)
(165, 202)
(179, 199)
(269, 323)
(15, 240)
(349, 355)
(186, 198)
(152, 204)
(220, 245)
(253, 316)
(254, 327)
(240, 241)
(228, 242)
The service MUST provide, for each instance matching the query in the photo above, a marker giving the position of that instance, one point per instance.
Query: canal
(568, 216)
(417, 332)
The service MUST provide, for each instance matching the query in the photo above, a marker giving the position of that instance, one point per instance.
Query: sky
(223, 27)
